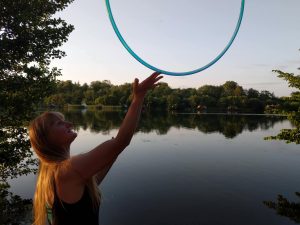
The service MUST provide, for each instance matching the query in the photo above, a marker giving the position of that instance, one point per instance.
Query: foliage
(30, 38)
(293, 80)
(292, 109)
(15, 153)
(13, 209)
(163, 97)
(286, 208)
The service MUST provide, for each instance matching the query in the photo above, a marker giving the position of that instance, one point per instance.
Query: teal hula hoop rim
(113, 23)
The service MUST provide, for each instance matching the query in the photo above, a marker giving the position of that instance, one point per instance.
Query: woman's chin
(73, 135)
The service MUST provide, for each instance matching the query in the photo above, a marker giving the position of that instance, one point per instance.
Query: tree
(89, 97)
(229, 88)
(283, 206)
(252, 93)
(30, 38)
(173, 101)
(290, 135)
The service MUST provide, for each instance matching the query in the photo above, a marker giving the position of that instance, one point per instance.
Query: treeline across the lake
(227, 97)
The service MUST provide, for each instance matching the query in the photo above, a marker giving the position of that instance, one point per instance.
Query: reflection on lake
(186, 169)
(230, 125)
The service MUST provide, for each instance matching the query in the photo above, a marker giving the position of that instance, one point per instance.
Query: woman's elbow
(125, 144)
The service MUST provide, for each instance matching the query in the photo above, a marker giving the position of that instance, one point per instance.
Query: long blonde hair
(51, 160)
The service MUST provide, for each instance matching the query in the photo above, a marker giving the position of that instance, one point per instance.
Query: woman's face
(61, 133)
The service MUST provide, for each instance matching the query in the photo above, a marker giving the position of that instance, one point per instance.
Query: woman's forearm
(130, 121)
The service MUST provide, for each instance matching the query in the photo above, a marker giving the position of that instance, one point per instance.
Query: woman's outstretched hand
(140, 89)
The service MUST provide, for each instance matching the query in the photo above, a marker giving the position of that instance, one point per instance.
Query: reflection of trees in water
(232, 125)
(95, 121)
(286, 208)
(161, 122)
(16, 156)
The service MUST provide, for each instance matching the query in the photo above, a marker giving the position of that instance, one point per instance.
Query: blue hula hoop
(113, 23)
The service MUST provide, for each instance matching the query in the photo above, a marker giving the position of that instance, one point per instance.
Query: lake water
(189, 169)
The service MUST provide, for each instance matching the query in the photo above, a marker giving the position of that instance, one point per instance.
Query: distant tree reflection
(16, 157)
(228, 125)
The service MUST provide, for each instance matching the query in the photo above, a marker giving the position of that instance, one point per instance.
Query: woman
(67, 186)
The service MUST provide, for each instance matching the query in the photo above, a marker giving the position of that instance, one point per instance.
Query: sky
(183, 35)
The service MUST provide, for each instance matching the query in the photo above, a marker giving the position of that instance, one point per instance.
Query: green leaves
(29, 38)
(287, 135)
(29, 33)
(293, 80)
(286, 208)
(291, 107)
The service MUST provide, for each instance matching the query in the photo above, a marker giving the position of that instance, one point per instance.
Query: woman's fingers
(148, 82)
(153, 76)
(135, 82)
(158, 78)
(156, 73)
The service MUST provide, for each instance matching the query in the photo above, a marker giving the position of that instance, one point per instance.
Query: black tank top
(79, 213)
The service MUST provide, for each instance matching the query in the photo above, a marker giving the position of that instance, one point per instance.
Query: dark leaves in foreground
(286, 208)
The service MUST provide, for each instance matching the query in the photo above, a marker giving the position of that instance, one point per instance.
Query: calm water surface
(188, 169)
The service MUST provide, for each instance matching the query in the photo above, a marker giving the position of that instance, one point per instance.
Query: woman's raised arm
(92, 162)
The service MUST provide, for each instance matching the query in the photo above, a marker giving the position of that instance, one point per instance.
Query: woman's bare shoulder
(67, 173)
(69, 184)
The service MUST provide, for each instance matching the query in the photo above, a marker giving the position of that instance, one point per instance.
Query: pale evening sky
(181, 35)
